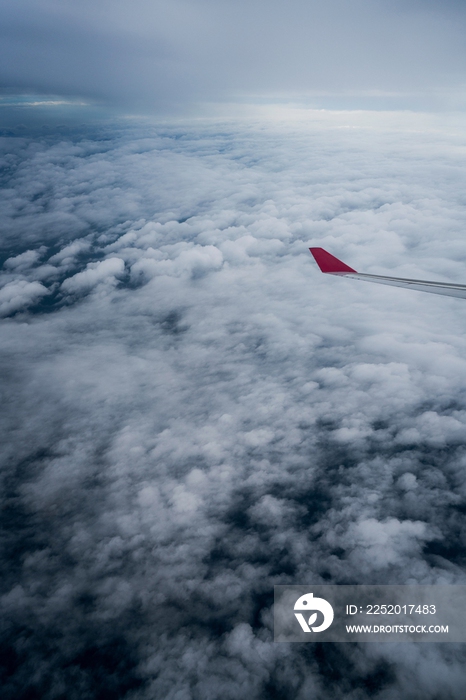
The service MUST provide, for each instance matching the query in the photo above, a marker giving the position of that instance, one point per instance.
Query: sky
(192, 412)
(188, 57)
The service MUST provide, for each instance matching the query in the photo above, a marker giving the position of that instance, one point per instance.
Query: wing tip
(329, 264)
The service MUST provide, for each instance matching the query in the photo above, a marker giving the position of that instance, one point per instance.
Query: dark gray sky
(173, 55)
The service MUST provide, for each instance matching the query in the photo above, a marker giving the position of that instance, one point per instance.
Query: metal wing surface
(330, 265)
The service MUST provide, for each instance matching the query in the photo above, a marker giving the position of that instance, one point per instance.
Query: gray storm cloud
(172, 55)
(194, 413)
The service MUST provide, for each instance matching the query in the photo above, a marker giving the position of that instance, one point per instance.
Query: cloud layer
(195, 413)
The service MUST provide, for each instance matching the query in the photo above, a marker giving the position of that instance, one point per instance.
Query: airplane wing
(332, 266)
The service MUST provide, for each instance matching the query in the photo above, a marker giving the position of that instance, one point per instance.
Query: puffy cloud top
(95, 273)
(19, 295)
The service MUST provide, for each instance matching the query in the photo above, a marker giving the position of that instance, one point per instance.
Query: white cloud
(19, 295)
(69, 252)
(224, 417)
(24, 260)
(106, 272)
(388, 542)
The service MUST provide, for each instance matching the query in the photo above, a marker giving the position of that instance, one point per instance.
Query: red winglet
(329, 263)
